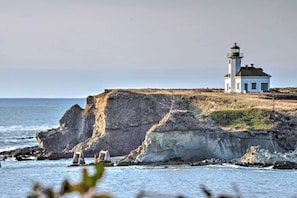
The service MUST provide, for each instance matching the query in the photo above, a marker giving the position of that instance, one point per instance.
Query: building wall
(227, 84)
(249, 80)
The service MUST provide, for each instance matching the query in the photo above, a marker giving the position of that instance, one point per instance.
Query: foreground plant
(209, 194)
(85, 188)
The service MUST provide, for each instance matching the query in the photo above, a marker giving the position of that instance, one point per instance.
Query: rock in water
(285, 165)
(258, 155)
(75, 127)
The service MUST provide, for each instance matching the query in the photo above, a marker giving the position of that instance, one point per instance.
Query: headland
(176, 125)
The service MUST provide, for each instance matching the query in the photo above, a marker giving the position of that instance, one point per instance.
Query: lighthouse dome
(235, 46)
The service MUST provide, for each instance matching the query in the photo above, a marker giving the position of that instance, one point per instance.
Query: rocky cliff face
(158, 125)
(75, 127)
(259, 155)
(179, 135)
(116, 120)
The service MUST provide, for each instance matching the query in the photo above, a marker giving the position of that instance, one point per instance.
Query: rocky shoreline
(37, 153)
(34, 153)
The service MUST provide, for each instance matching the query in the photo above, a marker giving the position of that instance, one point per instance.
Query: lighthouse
(244, 79)
(234, 65)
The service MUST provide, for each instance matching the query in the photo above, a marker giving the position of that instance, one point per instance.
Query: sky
(76, 48)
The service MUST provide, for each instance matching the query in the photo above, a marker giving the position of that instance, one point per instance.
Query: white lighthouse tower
(234, 65)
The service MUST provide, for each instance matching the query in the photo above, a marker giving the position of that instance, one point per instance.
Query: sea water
(20, 119)
(18, 177)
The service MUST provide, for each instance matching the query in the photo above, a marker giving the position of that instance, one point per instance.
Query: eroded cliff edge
(116, 120)
(179, 135)
(158, 125)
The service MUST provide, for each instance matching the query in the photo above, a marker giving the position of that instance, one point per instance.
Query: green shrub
(250, 119)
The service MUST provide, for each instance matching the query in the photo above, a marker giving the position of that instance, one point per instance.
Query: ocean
(20, 119)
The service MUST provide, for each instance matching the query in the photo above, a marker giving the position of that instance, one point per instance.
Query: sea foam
(25, 128)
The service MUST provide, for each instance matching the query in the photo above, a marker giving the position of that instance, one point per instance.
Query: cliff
(179, 135)
(258, 155)
(194, 124)
(116, 120)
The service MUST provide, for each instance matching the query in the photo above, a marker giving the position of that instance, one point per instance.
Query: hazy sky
(75, 48)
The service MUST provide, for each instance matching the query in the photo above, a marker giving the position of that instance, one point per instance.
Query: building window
(254, 85)
(238, 86)
(264, 87)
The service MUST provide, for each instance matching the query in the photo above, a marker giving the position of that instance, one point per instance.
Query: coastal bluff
(151, 125)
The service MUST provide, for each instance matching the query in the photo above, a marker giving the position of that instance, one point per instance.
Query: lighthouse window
(254, 85)
(238, 86)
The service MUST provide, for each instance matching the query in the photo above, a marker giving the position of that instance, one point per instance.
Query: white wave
(17, 146)
(19, 140)
(268, 168)
(11, 141)
(9, 148)
(231, 165)
(25, 128)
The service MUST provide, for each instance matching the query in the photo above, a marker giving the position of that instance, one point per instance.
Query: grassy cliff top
(238, 111)
(279, 99)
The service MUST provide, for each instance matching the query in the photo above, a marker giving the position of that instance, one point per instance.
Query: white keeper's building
(244, 79)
